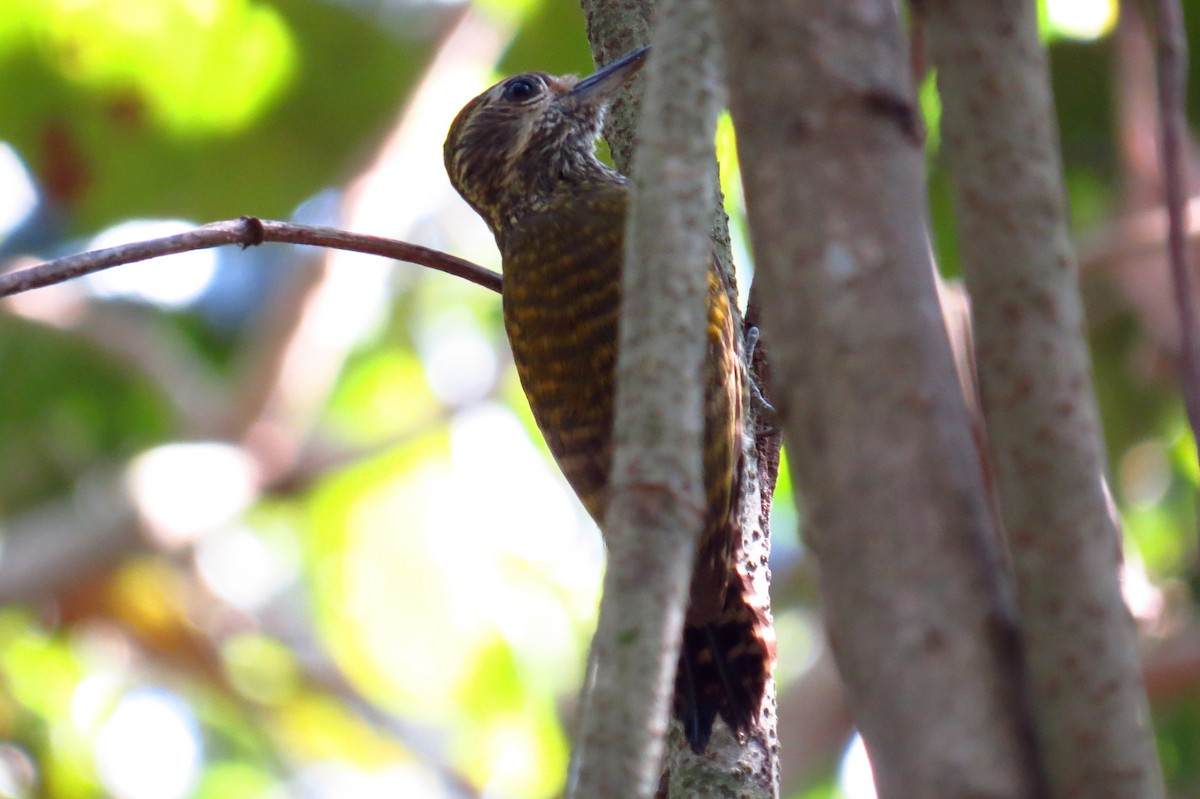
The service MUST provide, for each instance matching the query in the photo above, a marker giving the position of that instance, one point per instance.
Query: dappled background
(277, 523)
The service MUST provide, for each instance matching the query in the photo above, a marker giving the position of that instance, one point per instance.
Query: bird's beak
(597, 87)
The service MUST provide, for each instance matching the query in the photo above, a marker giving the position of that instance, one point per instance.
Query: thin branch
(1172, 85)
(248, 231)
(58, 543)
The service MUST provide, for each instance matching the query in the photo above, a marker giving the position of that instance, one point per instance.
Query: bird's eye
(521, 89)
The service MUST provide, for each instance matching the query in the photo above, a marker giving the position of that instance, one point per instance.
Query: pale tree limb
(1136, 112)
(58, 543)
(1131, 249)
(248, 232)
(751, 770)
(876, 424)
(615, 29)
(1173, 139)
(657, 500)
(1000, 140)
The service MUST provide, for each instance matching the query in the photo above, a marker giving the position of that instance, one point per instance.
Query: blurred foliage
(403, 608)
(68, 405)
(198, 108)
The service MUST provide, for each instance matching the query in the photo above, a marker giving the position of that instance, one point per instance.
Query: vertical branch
(1172, 93)
(657, 499)
(865, 383)
(1000, 140)
(743, 771)
(615, 29)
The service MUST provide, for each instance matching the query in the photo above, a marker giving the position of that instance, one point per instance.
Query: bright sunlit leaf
(510, 12)
(149, 748)
(19, 196)
(234, 780)
(1155, 532)
(727, 157)
(40, 671)
(260, 668)
(192, 66)
(931, 111)
(855, 776)
(245, 568)
(185, 489)
(1184, 456)
(94, 699)
(1081, 19)
(516, 745)
(381, 394)
(318, 728)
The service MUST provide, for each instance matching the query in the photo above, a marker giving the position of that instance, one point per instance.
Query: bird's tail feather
(723, 668)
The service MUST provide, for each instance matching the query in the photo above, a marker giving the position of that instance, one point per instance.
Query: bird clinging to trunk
(522, 154)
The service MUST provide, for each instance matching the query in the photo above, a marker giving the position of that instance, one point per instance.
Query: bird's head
(530, 136)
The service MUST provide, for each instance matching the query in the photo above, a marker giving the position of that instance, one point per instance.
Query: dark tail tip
(723, 669)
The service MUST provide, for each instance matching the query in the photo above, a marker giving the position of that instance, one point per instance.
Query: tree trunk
(919, 620)
(657, 498)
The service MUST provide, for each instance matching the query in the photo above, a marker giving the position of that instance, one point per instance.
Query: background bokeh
(277, 523)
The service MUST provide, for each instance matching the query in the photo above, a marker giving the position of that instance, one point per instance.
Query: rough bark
(657, 497)
(728, 768)
(615, 29)
(864, 379)
(999, 137)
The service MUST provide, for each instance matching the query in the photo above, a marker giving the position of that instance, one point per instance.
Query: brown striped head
(531, 136)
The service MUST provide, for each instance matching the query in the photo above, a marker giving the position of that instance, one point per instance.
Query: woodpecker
(522, 154)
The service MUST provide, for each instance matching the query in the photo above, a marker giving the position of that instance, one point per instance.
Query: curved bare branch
(248, 231)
